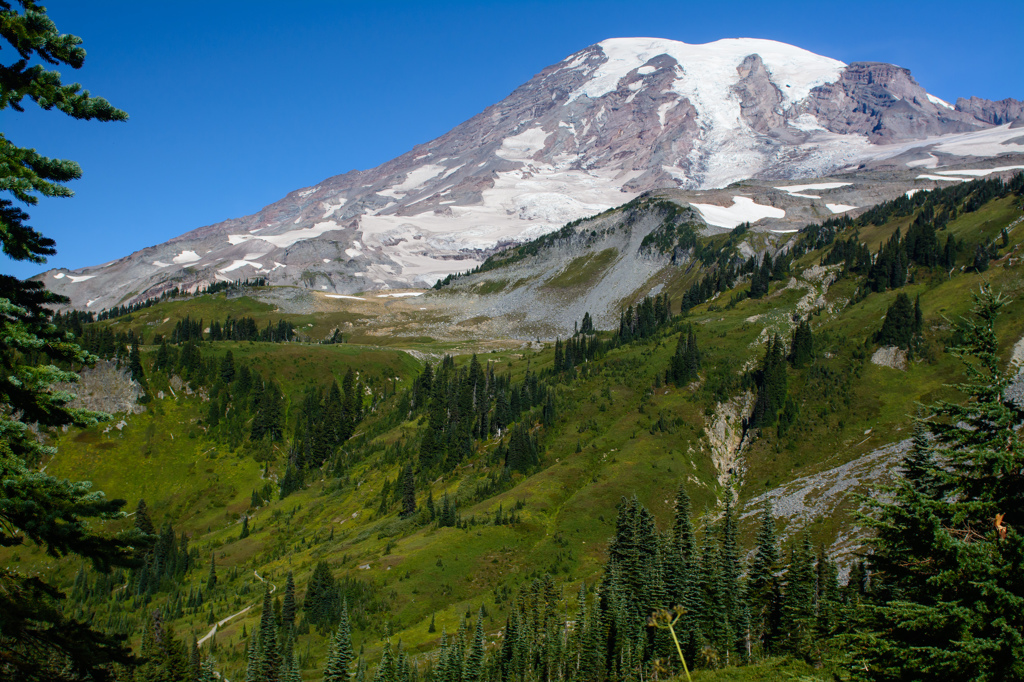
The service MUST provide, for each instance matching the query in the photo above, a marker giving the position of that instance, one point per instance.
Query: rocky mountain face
(614, 120)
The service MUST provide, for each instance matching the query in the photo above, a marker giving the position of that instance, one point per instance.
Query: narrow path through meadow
(216, 625)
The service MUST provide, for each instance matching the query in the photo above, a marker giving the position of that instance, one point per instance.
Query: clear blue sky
(235, 104)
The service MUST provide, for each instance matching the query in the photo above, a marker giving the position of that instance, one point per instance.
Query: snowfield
(793, 190)
(235, 265)
(414, 179)
(286, 239)
(712, 67)
(523, 146)
(743, 210)
(75, 279)
(980, 172)
(186, 257)
(839, 208)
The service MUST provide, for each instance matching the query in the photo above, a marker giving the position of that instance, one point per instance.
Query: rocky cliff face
(618, 118)
(886, 104)
(994, 113)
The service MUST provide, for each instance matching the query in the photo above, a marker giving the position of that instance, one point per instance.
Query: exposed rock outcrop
(890, 356)
(106, 388)
(994, 113)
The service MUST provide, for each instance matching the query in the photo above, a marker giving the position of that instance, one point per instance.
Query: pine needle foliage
(38, 640)
(946, 598)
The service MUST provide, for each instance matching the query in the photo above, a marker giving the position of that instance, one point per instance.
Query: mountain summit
(613, 120)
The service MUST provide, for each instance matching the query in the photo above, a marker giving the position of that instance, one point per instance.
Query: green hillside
(517, 460)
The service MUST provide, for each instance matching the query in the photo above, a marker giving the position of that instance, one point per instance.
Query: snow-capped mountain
(618, 118)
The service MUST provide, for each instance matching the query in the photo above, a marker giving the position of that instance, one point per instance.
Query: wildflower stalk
(662, 619)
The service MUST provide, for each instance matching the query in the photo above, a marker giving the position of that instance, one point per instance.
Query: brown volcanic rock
(761, 100)
(885, 103)
(994, 113)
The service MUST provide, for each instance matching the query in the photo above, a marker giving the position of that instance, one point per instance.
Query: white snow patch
(414, 179)
(931, 162)
(161, 264)
(818, 185)
(353, 253)
(727, 149)
(519, 206)
(912, 192)
(551, 207)
(402, 295)
(74, 278)
(663, 109)
(523, 146)
(646, 70)
(306, 192)
(940, 102)
(286, 239)
(839, 208)
(186, 257)
(988, 142)
(278, 265)
(252, 232)
(331, 208)
(783, 231)
(327, 260)
(808, 123)
(351, 298)
(980, 172)
(90, 302)
(452, 170)
(742, 210)
(239, 264)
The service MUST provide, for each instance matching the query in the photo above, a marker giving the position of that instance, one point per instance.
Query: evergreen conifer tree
(207, 670)
(163, 357)
(135, 361)
(763, 585)
(947, 598)
(288, 604)
(341, 657)
(798, 602)
(386, 667)
(771, 385)
(321, 602)
(269, 662)
(408, 491)
(39, 638)
(142, 521)
(211, 580)
(733, 598)
(802, 348)
(475, 658)
(899, 326)
(227, 368)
